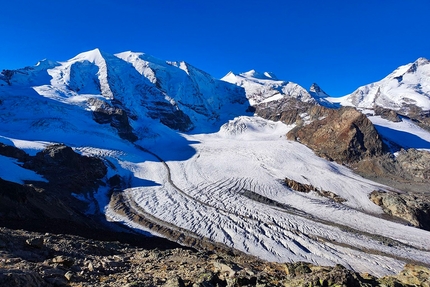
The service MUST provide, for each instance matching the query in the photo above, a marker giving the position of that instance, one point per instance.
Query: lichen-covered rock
(415, 163)
(414, 208)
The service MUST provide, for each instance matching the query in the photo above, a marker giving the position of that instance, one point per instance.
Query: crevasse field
(212, 194)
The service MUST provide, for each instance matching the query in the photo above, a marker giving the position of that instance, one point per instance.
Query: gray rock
(415, 209)
(36, 242)
(63, 260)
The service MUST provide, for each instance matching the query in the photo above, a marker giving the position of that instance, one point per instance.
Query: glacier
(218, 176)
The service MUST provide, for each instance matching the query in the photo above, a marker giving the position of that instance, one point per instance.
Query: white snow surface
(223, 180)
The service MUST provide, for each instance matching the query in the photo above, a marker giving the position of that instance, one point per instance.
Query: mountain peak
(258, 75)
(316, 91)
(93, 56)
(422, 61)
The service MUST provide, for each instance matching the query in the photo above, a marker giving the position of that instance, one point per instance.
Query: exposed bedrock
(414, 208)
(104, 113)
(344, 135)
(302, 187)
(409, 166)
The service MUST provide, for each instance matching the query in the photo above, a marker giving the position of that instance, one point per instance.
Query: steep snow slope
(264, 87)
(407, 85)
(405, 133)
(197, 93)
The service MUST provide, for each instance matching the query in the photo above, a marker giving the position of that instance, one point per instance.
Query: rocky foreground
(34, 259)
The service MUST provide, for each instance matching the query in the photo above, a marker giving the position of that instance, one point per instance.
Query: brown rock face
(344, 135)
(287, 110)
(301, 187)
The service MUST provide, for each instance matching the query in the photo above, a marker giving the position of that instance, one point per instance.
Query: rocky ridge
(44, 259)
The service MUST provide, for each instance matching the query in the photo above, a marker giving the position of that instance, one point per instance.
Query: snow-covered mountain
(176, 94)
(408, 85)
(192, 161)
(265, 87)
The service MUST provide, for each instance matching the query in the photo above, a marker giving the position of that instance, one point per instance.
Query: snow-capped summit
(259, 75)
(321, 97)
(408, 85)
(176, 93)
(93, 56)
(265, 87)
(317, 92)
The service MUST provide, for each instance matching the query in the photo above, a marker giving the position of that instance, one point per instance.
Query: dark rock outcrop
(417, 114)
(387, 114)
(13, 152)
(302, 187)
(104, 113)
(171, 116)
(67, 170)
(409, 111)
(345, 135)
(51, 205)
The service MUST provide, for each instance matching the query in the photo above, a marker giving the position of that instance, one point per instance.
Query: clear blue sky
(338, 44)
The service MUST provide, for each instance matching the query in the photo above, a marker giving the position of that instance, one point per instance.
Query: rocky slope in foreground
(35, 259)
